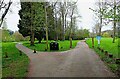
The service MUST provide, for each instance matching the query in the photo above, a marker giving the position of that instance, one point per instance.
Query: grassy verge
(63, 45)
(14, 65)
(106, 45)
(0, 59)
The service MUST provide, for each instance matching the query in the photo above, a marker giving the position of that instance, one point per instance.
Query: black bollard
(117, 60)
(110, 56)
(20, 53)
(102, 50)
(34, 51)
(106, 53)
(6, 55)
(45, 49)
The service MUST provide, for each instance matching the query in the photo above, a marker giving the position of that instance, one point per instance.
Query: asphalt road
(78, 62)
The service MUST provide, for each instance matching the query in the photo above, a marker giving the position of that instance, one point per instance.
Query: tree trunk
(101, 14)
(56, 33)
(93, 42)
(63, 23)
(46, 38)
(114, 27)
(100, 26)
(32, 39)
(70, 42)
(71, 32)
(114, 31)
(46, 28)
(61, 28)
(71, 17)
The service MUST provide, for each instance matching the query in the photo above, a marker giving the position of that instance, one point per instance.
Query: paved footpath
(78, 62)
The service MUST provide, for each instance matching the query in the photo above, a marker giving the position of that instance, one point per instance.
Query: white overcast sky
(87, 21)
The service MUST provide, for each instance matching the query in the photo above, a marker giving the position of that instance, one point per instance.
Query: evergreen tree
(32, 20)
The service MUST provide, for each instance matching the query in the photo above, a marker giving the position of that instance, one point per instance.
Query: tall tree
(51, 25)
(99, 12)
(64, 7)
(6, 7)
(112, 14)
(114, 23)
(32, 20)
(55, 11)
(72, 11)
(46, 24)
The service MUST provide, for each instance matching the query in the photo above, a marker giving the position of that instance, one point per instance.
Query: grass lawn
(15, 65)
(0, 59)
(63, 45)
(107, 45)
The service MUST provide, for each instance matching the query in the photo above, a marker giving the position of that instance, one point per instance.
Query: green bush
(106, 34)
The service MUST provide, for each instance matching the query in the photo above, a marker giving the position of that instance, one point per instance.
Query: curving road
(78, 62)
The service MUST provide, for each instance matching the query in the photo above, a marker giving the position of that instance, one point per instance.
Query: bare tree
(54, 5)
(114, 22)
(99, 12)
(5, 6)
(72, 11)
(112, 14)
(61, 10)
